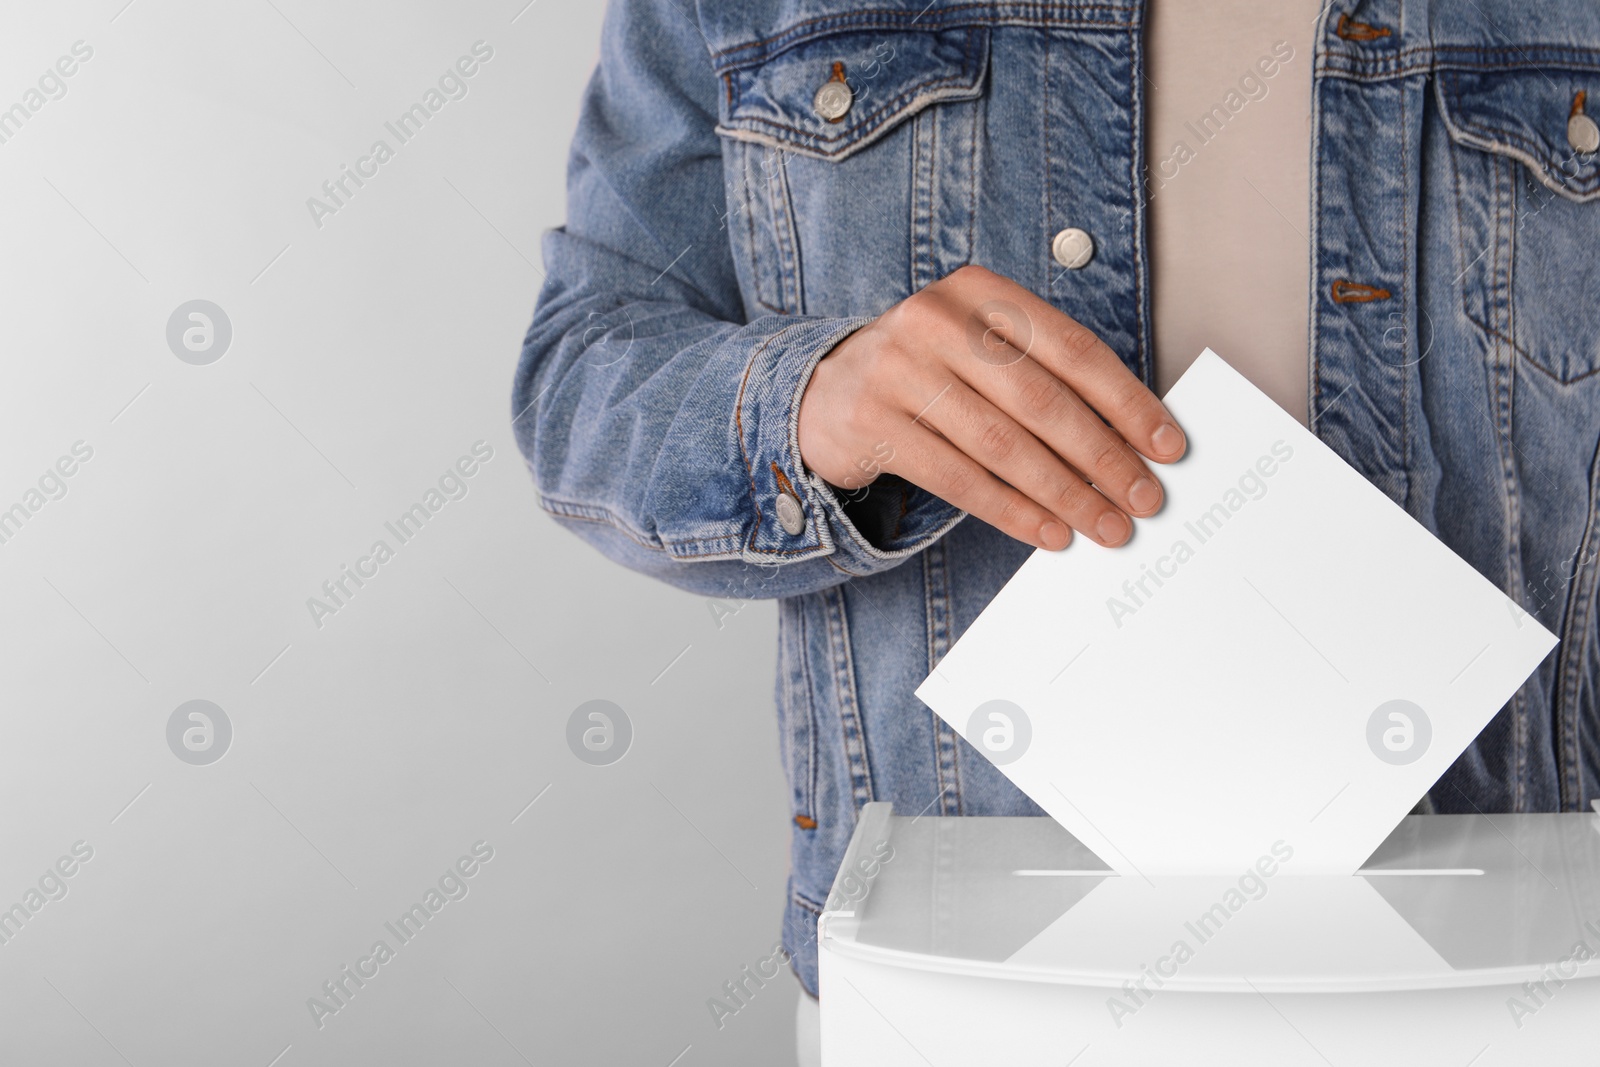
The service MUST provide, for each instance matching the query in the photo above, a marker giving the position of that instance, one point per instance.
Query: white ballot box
(1463, 940)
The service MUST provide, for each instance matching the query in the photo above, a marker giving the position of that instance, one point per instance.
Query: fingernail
(1112, 527)
(1168, 440)
(1053, 535)
(1144, 496)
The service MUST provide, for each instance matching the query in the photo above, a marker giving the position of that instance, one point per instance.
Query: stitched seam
(1461, 232)
(792, 234)
(855, 739)
(1580, 603)
(911, 205)
(980, 114)
(1049, 174)
(1492, 306)
(1491, 333)
(783, 233)
(1433, 69)
(608, 518)
(885, 19)
(1549, 55)
(765, 283)
(1314, 271)
(1517, 140)
(875, 120)
(1508, 336)
(1499, 54)
(1434, 64)
(919, 154)
(769, 168)
(1505, 378)
(845, 570)
(929, 233)
(931, 641)
(791, 238)
(611, 522)
(750, 225)
(1520, 724)
(1495, 334)
(709, 549)
(1537, 149)
(1504, 371)
(892, 21)
(1135, 158)
(948, 750)
(1403, 371)
(1501, 295)
(803, 644)
(885, 115)
(811, 713)
(931, 595)
(1571, 787)
(1552, 375)
(783, 698)
(1510, 287)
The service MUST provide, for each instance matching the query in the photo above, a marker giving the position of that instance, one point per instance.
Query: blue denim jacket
(723, 237)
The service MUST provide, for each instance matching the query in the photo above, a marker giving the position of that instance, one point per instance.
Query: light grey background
(367, 355)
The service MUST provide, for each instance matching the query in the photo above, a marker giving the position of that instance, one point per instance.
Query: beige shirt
(1228, 112)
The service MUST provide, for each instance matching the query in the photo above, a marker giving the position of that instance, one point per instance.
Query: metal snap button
(1582, 134)
(791, 516)
(1072, 248)
(833, 100)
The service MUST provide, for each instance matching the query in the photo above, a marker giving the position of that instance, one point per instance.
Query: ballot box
(1463, 940)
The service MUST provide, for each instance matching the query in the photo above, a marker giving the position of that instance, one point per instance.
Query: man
(839, 274)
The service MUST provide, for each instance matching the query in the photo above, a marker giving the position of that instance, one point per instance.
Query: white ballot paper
(1280, 656)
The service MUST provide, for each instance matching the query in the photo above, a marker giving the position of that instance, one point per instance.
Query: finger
(925, 459)
(1076, 355)
(1008, 450)
(1057, 416)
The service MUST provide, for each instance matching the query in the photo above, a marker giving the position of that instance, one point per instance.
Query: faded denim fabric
(723, 237)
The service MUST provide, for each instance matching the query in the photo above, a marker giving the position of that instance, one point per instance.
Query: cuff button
(790, 515)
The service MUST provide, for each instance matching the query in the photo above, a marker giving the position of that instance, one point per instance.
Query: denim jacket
(723, 236)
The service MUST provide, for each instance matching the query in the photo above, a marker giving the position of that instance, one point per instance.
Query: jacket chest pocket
(849, 161)
(1527, 189)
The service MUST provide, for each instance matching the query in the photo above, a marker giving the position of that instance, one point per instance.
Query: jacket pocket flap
(1524, 114)
(888, 77)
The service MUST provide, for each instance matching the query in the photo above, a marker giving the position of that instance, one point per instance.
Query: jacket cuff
(864, 531)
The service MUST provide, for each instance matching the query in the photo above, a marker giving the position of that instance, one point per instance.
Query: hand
(988, 397)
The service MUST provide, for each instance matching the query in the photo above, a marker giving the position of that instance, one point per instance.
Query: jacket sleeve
(660, 425)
